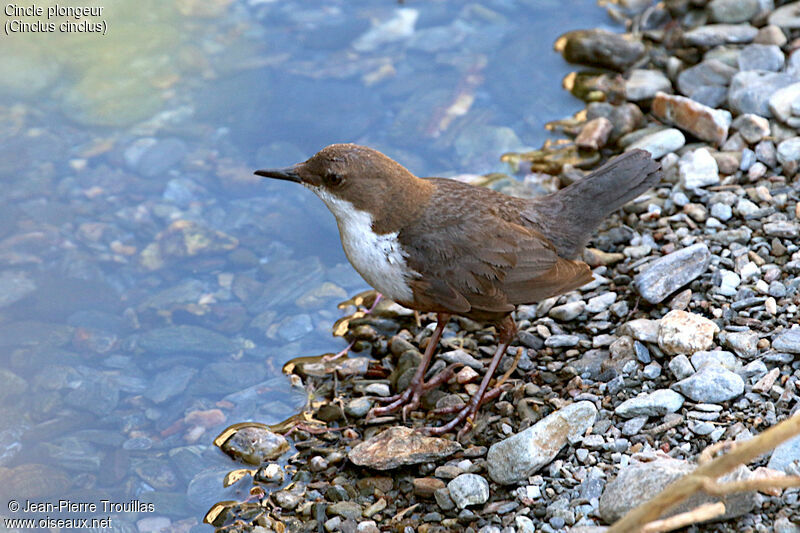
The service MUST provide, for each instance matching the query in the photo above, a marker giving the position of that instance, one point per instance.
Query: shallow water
(150, 287)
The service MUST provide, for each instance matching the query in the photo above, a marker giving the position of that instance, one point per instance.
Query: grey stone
(468, 489)
(663, 276)
(786, 16)
(657, 403)
(721, 211)
(660, 143)
(716, 357)
(718, 34)
(711, 384)
(641, 329)
(568, 311)
(761, 57)
(681, 367)
(625, 491)
(786, 457)
(789, 150)
(517, 457)
(644, 84)
(743, 343)
(751, 90)
(634, 425)
(600, 303)
(562, 341)
(782, 101)
(752, 128)
(732, 11)
(684, 332)
(787, 341)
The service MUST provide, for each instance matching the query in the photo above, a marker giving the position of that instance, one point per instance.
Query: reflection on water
(150, 287)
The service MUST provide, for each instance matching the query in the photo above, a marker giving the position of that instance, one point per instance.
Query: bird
(441, 246)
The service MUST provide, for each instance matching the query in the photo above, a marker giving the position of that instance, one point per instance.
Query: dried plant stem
(698, 514)
(702, 478)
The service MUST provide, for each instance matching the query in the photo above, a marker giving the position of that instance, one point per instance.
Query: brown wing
(477, 263)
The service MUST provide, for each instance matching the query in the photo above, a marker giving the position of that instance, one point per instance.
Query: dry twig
(704, 476)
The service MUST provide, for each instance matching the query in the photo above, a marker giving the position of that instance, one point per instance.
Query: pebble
(468, 489)
(744, 343)
(634, 425)
(684, 332)
(719, 34)
(562, 341)
(708, 74)
(698, 169)
(681, 367)
(641, 329)
(761, 57)
(600, 303)
(787, 341)
(786, 16)
(700, 120)
(751, 90)
(781, 102)
(660, 143)
(786, 457)
(657, 403)
(255, 445)
(644, 84)
(733, 11)
(568, 311)
(789, 151)
(358, 407)
(717, 357)
(624, 492)
(398, 446)
(752, 128)
(711, 384)
(665, 275)
(514, 459)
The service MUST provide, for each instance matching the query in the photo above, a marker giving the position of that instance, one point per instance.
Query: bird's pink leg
(507, 331)
(409, 399)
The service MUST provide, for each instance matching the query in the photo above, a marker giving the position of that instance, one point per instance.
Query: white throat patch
(378, 258)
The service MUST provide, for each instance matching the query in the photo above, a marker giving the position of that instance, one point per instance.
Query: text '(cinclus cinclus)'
(438, 245)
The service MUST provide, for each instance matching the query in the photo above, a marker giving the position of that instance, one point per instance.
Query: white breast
(379, 258)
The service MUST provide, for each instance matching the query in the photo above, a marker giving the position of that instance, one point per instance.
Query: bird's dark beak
(288, 174)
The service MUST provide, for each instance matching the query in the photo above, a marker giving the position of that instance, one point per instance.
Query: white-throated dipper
(438, 245)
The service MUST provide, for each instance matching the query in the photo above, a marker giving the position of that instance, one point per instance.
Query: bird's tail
(569, 216)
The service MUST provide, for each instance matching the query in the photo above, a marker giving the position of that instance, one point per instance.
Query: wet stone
(468, 489)
(600, 48)
(255, 445)
(657, 403)
(515, 458)
(398, 446)
(170, 383)
(663, 276)
(14, 286)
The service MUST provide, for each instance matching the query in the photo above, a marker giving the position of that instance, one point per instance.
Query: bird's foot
(464, 413)
(409, 399)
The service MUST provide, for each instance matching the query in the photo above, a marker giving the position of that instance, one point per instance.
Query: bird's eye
(334, 180)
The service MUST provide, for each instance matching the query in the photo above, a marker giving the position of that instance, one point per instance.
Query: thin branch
(698, 514)
(683, 488)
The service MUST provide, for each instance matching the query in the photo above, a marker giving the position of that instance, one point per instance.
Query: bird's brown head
(347, 176)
